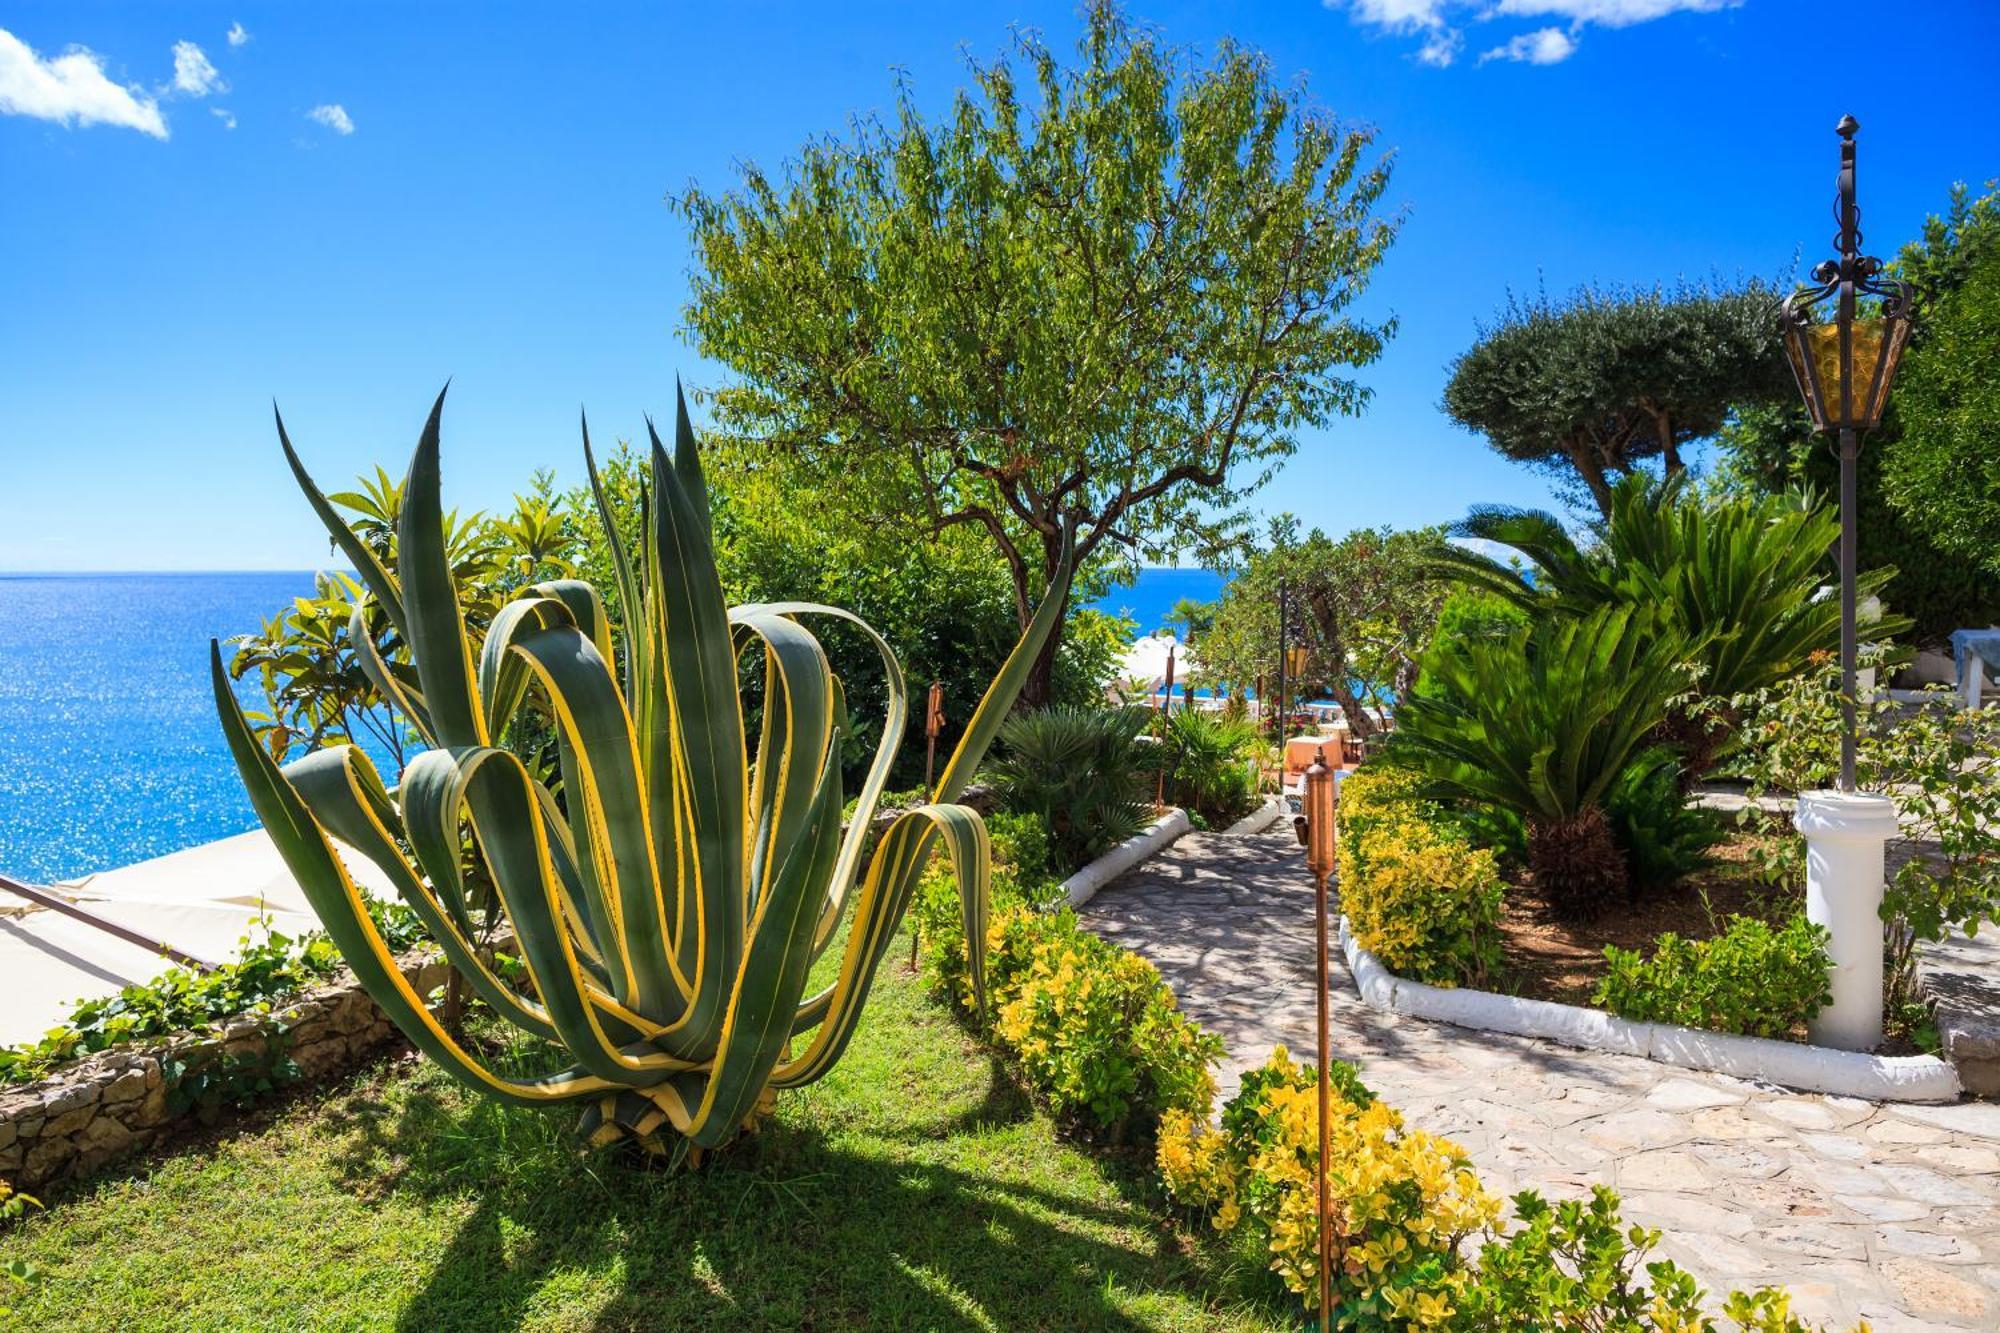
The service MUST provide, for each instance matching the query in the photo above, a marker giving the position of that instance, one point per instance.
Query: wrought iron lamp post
(1844, 368)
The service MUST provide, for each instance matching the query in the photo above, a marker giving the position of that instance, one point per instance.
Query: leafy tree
(1771, 446)
(1091, 309)
(944, 604)
(1942, 472)
(1588, 389)
(1363, 608)
(1193, 616)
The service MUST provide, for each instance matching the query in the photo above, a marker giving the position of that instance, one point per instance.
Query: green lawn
(915, 1188)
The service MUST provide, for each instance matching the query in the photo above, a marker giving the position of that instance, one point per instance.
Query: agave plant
(670, 904)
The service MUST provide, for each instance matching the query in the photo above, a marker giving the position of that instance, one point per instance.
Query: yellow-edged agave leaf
(668, 896)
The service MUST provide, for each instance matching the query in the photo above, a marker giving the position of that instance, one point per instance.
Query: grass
(917, 1187)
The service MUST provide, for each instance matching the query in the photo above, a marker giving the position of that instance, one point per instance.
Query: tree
(1193, 616)
(1363, 608)
(1771, 446)
(1942, 473)
(1588, 389)
(1090, 310)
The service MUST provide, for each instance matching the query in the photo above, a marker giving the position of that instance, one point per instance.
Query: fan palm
(670, 905)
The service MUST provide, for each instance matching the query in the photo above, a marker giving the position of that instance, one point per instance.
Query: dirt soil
(1547, 959)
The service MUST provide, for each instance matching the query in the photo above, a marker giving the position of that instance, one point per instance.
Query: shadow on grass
(946, 1227)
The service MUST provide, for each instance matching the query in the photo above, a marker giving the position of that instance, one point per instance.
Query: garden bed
(1546, 958)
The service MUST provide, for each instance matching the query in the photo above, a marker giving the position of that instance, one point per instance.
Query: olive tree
(1589, 388)
(1088, 304)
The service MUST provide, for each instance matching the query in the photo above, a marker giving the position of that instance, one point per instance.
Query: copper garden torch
(1320, 806)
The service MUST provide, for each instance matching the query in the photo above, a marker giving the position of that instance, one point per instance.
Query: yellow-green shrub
(1402, 1200)
(1408, 1210)
(1092, 1026)
(1420, 897)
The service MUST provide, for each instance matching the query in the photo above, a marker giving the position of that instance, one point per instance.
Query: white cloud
(1440, 48)
(238, 34)
(228, 118)
(1544, 46)
(1397, 15)
(1609, 13)
(334, 116)
(193, 74)
(70, 89)
(1441, 23)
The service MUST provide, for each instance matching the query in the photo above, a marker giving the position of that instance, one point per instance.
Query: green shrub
(1419, 1243)
(1750, 979)
(1416, 890)
(1208, 764)
(1080, 771)
(265, 974)
(1092, 1026)
(1020, 879)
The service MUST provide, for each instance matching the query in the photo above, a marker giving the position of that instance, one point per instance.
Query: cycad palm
(669, 908)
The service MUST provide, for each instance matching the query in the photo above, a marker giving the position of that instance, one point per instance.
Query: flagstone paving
(1889, 1213)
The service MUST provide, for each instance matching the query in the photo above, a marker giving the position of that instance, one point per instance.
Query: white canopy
(203, 901)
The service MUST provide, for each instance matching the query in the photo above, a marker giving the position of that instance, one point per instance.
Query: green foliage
(1545, 724)
(1770, 446)
(1942, 471)
(1078, 770)
(1363, 609)
(1419, 1243)
(266, 973)
(1936, 761)
(1749, 979)
(1738, 578)
(1208, 761)
(1417, 893)
(1027, 316)
(670, 908)
(15, 1273)
(1587, 389)
(1094, 1029)
(1021, 879)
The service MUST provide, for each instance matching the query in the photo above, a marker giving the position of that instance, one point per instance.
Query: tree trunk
(1039, 691)
(1592, 472)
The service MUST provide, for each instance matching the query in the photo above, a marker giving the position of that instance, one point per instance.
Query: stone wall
(87, 1115)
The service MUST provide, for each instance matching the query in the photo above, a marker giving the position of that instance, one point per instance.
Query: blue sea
(110, 751)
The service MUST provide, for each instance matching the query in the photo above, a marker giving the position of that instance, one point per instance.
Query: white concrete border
(1081, 887)
(1880, 1078)
(1259, 819)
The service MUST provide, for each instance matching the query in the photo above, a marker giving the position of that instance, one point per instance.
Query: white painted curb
(1880, 1078)
(1081, 887)
(1259, 819)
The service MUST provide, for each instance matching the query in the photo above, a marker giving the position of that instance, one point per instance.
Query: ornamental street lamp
(1844, 368)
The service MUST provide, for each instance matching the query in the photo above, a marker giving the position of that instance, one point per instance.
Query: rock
(1836, 1146)
(104, 1134)
(1685, 1094)
(1928, 1186)
(1628, 1130)
(1961, 1160)
(69, 1122)
(129, 1086)
(1883, 1210)
(1891, 1130)
(68, 1097)
(44, 1159)
(1926, 1244)
(9, 1131)
(1930, 1289)
(10, 1160)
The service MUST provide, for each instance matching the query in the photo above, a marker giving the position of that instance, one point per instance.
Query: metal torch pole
(1325, 1100)
(1849, 634)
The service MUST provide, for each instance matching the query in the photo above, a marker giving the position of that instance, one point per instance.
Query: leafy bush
(1409, 1207)
(1080, 771)
(265, 974)
(1021, 879)
(1422, 898)
(1404, 1199)
(1208, 763)
(1937, 761)
(1664, 838)
(1094, 1028)
(1750, 979)
(1543, 724)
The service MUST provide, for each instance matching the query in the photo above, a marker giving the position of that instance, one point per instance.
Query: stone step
(1961, 976)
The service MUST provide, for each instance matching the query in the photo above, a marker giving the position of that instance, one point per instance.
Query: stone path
(1886, 1213)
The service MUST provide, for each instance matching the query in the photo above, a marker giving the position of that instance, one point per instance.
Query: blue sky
(203, 208)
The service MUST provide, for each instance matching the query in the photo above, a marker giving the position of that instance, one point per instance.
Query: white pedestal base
(1846, 836)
